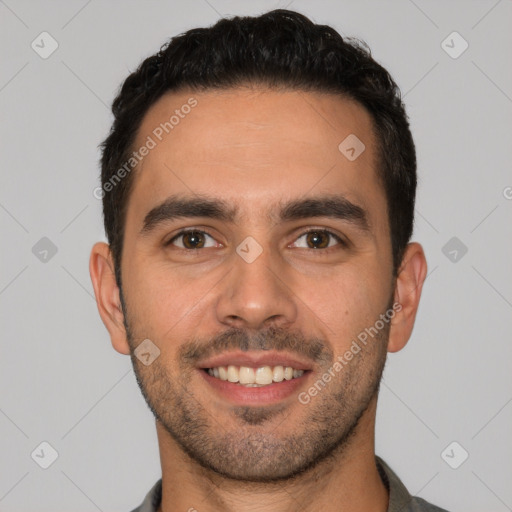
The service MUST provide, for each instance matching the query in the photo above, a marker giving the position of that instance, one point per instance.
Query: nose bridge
(255, 294)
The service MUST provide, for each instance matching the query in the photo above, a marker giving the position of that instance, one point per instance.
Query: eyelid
(184, 231)
(340, 239)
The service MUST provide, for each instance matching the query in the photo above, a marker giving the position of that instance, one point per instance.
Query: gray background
(60, 379)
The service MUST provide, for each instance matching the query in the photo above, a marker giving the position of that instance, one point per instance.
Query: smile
(254, 377)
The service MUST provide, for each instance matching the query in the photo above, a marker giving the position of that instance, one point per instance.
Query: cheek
(164, 302)
(349, 300)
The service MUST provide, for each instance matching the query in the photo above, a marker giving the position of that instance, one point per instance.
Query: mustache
(273, 338)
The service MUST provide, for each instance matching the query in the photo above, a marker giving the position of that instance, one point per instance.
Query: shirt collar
(399, 496)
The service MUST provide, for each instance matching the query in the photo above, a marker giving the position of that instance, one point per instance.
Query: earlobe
(408, 286)
(101, 269)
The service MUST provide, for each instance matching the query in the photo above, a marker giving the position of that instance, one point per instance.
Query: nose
(256, 295)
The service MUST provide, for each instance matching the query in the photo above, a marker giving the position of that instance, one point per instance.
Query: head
(285, 151)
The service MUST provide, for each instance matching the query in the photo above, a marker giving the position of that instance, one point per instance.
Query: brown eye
(191, 239)
(318, 239)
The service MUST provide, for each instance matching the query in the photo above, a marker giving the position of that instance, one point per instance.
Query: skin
(253, 148)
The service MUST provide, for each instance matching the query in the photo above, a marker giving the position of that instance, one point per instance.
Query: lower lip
(242, 395)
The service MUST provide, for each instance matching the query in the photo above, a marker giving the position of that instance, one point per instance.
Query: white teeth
(232, 373)
(278, 374)
(264, 375)
(246, 375)
(255, 377)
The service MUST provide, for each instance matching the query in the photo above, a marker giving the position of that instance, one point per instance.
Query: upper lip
(255, 359)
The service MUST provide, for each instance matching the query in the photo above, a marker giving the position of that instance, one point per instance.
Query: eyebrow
(331, 206)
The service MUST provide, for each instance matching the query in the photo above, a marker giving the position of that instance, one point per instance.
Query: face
(255, 252)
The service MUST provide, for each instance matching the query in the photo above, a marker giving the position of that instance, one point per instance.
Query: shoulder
(399, 498)
(152, 500)
(420, 505)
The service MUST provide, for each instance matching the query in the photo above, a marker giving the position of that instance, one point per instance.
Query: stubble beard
(252, 451)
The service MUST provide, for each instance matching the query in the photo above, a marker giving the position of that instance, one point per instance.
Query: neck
(348, 479)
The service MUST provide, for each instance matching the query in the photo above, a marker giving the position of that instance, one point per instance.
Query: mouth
(255, 378)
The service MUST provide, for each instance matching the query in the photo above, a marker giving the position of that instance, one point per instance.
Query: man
(258, 190)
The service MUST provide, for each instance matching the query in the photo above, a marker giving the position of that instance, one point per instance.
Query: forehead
(254, 147)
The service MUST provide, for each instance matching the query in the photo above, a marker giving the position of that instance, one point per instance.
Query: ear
(101, 268)
(408, 286)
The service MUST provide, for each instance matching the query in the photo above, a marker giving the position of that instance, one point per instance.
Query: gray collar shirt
(399, 498)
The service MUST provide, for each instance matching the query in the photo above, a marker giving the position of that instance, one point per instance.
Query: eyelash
(341, 242)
